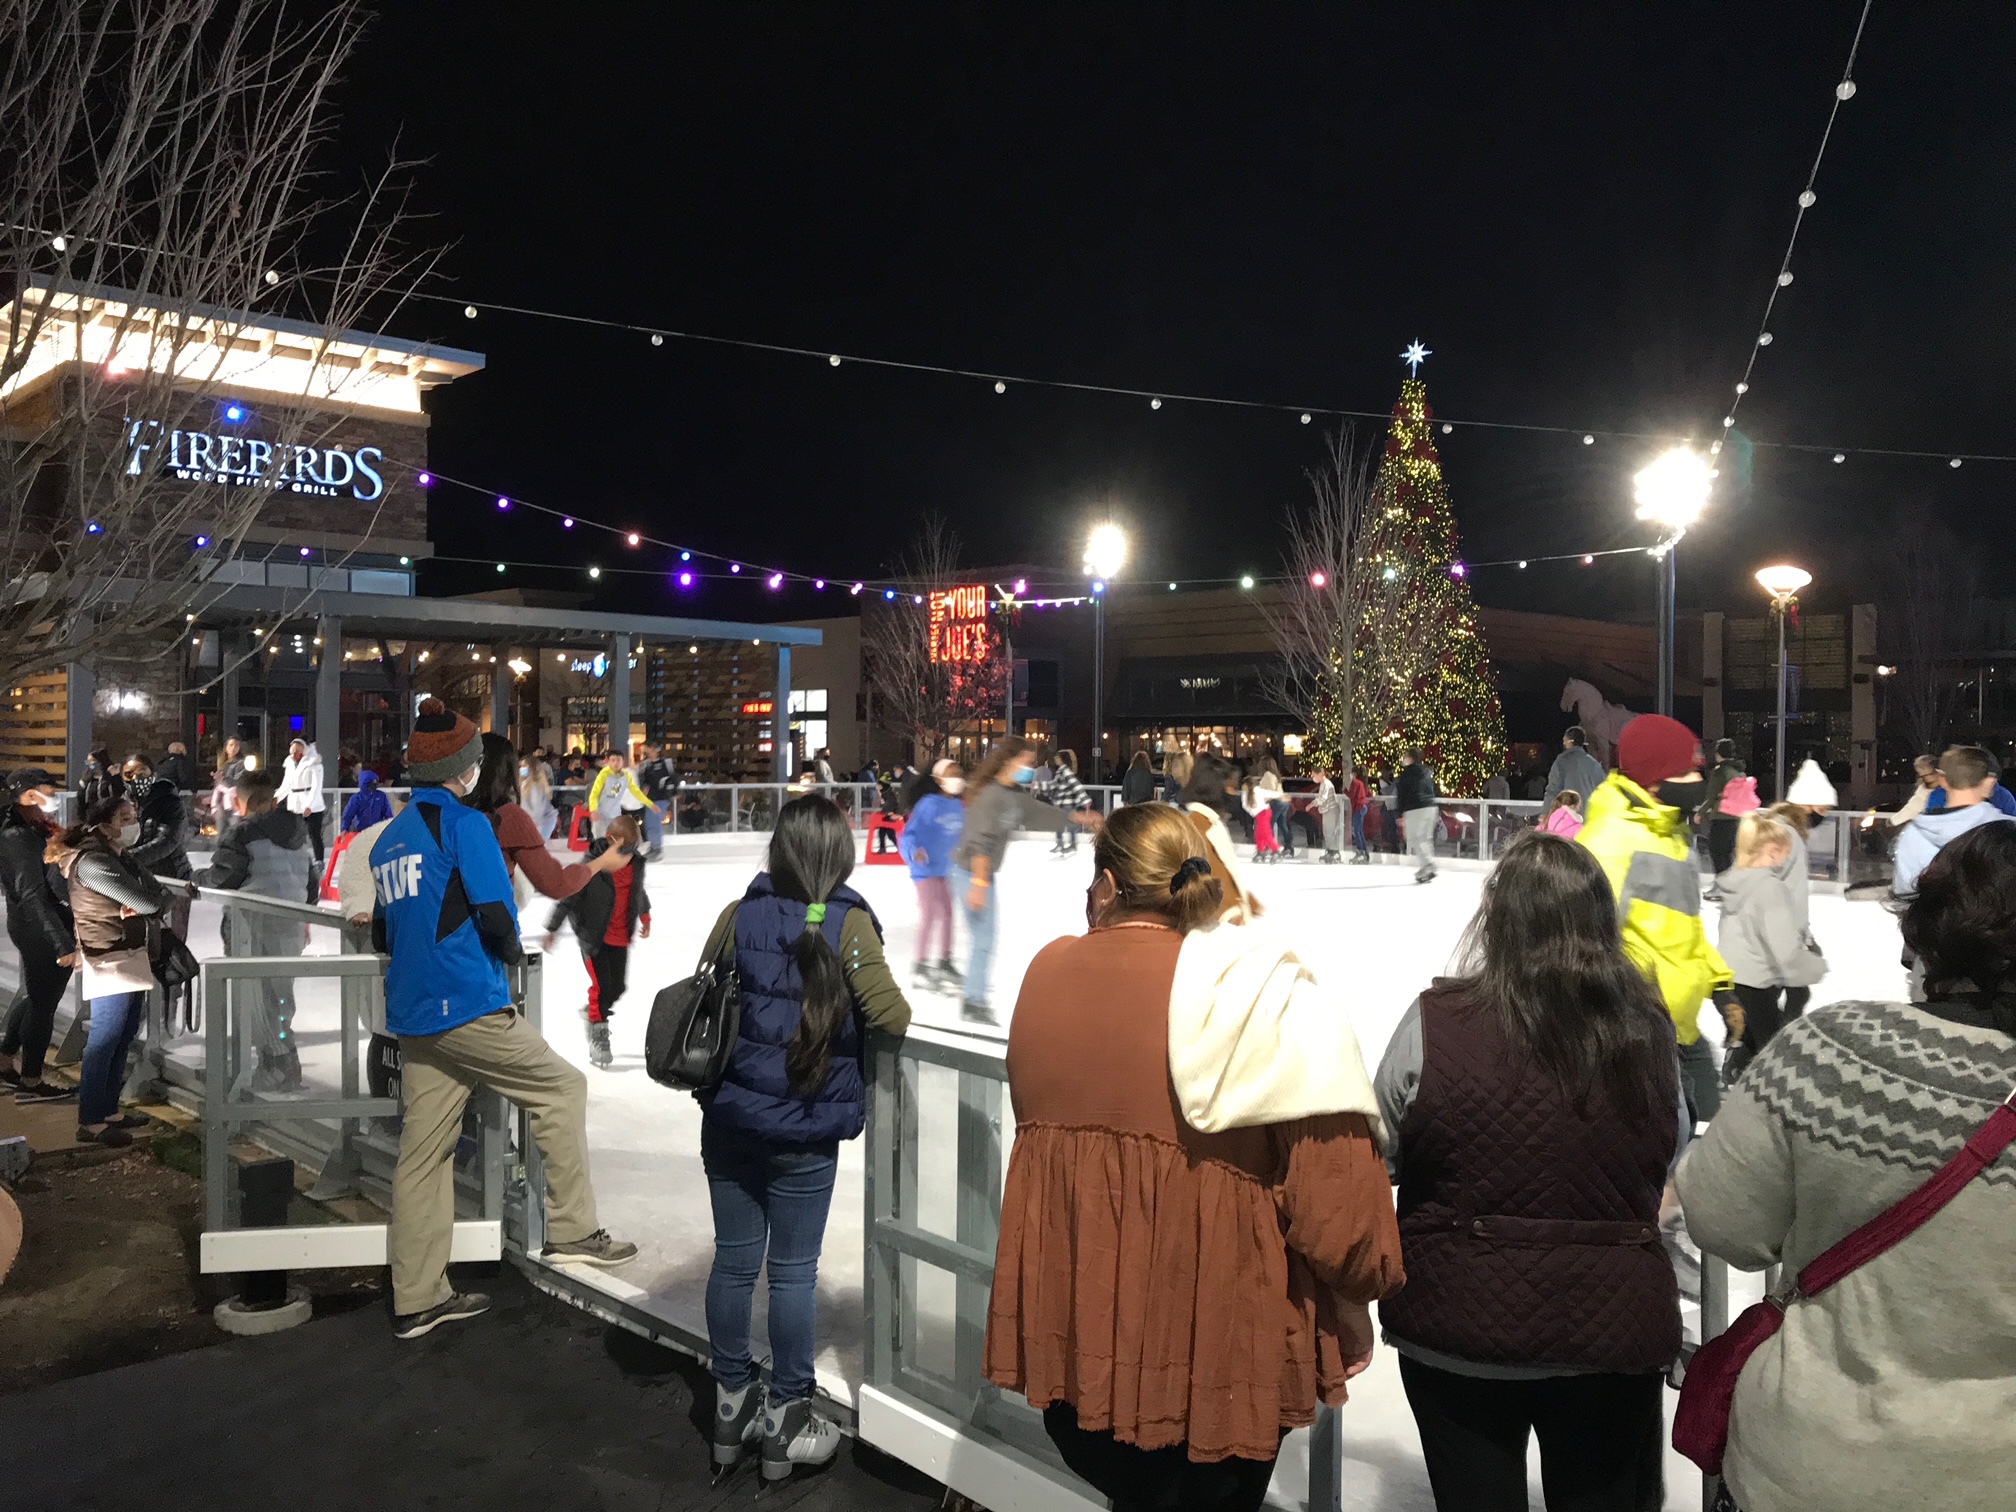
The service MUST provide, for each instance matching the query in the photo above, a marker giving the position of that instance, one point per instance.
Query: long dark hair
(1008, 749)
(497, 777)
(812, 853)
(1962, 923)
(1546, 953)
(1210, 780)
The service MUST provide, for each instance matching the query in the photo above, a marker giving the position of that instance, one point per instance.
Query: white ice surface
(1370, 928)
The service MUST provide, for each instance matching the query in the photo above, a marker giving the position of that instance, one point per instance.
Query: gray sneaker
(597, 1249)
(460, 1305)
(794, 1435)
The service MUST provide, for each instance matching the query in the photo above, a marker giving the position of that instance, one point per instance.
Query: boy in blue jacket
(444, 913)
(929, 837)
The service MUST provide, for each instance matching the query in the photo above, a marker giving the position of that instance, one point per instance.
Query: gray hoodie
(1924, 837)
(1764, 936)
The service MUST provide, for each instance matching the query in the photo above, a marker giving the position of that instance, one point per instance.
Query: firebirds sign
(960, 633)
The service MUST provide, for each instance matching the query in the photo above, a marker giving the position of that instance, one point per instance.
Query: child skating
(930, 835)
(609, 912)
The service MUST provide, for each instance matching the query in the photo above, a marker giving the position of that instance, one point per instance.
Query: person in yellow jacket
(615, 788)
(1638, 829)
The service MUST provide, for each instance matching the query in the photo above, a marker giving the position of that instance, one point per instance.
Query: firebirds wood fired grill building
(307, 624)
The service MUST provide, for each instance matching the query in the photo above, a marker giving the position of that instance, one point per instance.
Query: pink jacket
(1565, 822)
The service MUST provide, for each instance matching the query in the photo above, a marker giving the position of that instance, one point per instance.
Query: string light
(1843, 92)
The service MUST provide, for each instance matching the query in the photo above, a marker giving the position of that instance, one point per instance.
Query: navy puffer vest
(1530, 1232)
(755, 1095)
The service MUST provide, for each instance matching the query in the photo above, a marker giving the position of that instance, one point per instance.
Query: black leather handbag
(694, 1024)
(176, 968)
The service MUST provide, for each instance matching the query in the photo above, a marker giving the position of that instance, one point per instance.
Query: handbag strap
(1898, 1222)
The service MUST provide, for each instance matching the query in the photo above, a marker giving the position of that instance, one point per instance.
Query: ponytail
(823, 1008)
(811, 854)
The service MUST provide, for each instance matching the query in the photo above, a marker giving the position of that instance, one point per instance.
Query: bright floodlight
(1106, 550)
(1674, 490)
(1784, 580)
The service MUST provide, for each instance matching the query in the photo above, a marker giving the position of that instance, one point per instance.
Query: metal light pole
(1671, 492)
(1783, 584)
(1105, 555)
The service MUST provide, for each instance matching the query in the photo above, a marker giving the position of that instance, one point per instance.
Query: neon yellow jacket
(1644, 849)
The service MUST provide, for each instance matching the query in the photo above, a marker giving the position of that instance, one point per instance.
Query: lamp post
(1105, 555)
(1671, 493)
(1783, 583)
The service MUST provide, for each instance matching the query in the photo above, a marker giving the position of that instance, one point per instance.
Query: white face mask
(48, 803)
(953, 786)
(128, 834)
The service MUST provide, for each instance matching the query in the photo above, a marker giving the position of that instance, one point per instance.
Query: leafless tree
(1935, 593)
(921, 700)
(1339, 668)
(168, 148)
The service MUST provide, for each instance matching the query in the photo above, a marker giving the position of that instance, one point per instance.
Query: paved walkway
(534, 1407)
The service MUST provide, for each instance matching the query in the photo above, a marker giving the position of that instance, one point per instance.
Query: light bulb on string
(1154, 404)
(1000, 387)
(634, 539)
(685, 556)
(1316, 580)
(1305, 417)
(833, 361)
(685, 580)
(656, 339)
(425, 480)
(503, 503)
(776, 581)
(855, 590)
(468, 312)
(567, 522)
(735, 567)
(819, 584)
(594, 572)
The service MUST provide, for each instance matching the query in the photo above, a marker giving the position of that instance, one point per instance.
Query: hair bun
(431, 705)
(1192, 868)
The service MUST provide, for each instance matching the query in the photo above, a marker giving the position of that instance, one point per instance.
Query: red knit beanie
(1652, 748)
(443, 745)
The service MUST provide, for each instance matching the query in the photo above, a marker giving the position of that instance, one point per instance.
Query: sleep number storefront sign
(332, 472)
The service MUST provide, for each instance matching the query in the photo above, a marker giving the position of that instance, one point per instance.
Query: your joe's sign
(248, 462)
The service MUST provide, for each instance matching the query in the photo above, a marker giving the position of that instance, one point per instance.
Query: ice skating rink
(1371, 930)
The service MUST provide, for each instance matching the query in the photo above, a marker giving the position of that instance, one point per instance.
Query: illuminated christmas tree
(1423, 673)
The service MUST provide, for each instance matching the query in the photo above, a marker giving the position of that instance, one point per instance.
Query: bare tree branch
(166, 147)
(1329, 625)
(919, 700)
(1936, 587)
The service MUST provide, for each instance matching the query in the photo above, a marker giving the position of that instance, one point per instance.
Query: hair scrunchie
(1192, 868)
(815, 915)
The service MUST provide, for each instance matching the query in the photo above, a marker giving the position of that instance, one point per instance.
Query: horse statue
(1601, 720)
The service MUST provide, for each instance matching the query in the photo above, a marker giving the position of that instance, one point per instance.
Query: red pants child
(1263, 833)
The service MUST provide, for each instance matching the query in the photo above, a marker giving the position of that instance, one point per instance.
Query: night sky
(1579, 208)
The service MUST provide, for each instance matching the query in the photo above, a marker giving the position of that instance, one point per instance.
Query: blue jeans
(1358, 831)
(1284, 829)
(980, 939)
(774, 1197)
(654, 826)
(114, 1022)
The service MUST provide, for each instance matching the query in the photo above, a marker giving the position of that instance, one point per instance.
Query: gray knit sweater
(1897, 1387)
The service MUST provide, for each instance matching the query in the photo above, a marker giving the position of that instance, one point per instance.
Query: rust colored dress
(1170, 1285)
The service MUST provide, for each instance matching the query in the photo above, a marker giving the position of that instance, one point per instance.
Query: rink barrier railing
(345, 1138)
(924, 1397)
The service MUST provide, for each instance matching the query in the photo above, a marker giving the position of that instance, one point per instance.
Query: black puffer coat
(163, 847)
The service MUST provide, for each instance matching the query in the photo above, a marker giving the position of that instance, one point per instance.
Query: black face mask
(1685, 796)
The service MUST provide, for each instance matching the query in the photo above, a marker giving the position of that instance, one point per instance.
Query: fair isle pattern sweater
(1896, 1387)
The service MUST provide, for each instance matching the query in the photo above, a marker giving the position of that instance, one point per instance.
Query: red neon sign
(759, 706)
(958, 622)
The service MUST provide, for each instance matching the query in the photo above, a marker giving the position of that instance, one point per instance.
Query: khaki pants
(1420, 825)
(438, 1072)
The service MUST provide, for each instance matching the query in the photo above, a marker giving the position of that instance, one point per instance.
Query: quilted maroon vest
(1530, 1233)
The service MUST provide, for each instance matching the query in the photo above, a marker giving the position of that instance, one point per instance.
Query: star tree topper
(1414, 356)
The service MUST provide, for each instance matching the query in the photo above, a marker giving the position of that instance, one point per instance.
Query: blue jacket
(1928, 834)
(369, 807)
(754, 1096)
(934, 827)
(445, 913)
(1998, 795)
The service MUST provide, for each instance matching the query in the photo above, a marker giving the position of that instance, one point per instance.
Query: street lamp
(1783, 583)
(1671, 493)
(1105, 555)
